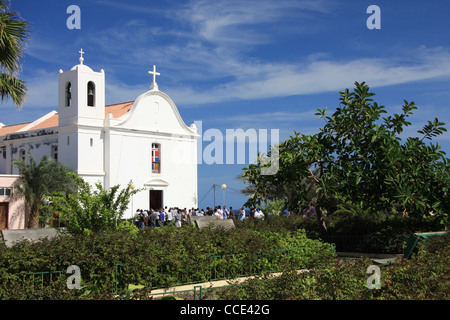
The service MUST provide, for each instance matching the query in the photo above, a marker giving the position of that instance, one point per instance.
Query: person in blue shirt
(161, 217)
(311, 211)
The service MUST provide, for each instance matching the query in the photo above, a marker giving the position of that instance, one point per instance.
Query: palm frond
(14, 32)
(14, 88)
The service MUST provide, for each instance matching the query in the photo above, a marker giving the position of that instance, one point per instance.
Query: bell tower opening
(91, 94)
(68, 94)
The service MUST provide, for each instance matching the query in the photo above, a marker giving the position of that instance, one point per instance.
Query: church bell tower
(81, 95)
(81, 113)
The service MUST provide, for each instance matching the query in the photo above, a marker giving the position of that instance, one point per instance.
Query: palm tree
(40, 180)
(13, 35)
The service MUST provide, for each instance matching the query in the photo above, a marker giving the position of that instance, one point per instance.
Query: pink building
(12, 205)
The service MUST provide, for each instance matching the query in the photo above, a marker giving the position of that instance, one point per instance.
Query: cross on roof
(81, 56)
(154, 73)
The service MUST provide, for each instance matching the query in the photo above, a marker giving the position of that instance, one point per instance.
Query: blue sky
(244, 64)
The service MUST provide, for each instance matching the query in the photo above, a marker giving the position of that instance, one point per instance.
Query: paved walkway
(159, 293)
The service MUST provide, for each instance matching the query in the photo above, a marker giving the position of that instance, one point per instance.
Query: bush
(424, 277)
(155, 257)
(371, 233)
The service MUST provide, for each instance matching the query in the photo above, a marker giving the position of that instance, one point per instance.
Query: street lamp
(132, 186)
(224, 186)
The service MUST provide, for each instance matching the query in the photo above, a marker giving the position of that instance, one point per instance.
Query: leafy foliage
(89, 210)
(166, 256)
(38, 181)
(14, 32)
(424, 277)
(359, 156)
(156, 257)
(351, 229)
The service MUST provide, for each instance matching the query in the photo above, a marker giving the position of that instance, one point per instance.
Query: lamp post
(132, 186)
(224, 186)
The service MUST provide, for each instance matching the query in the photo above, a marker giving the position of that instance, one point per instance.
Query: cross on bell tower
(154, 85)
(81, 56)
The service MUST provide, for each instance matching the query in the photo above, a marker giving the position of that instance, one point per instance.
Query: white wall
(153, 118)
(37, 146)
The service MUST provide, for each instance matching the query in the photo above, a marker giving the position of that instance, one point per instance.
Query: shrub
(371, 233)
(91, 209)
(159, 257)
(424, 277)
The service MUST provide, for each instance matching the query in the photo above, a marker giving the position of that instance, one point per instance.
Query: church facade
(144, 141)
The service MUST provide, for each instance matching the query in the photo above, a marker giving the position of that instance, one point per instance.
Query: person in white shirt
(166, 214)
(216, 213)
(178, 219)
(220, 212)
(225, 212)
(169, 216)
(174, 213)
(259, 214)
(241, 215)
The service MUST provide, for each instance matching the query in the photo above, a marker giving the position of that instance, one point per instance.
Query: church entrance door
(156, 199)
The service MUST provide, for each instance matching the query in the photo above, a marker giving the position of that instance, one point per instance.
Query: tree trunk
(33, 219)
(319, 216)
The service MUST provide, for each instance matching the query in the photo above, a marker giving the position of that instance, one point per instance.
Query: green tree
(38, 181)
(14, 32)
(360, 157)
(90, 209)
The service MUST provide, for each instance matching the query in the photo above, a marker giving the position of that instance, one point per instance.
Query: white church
(144, 141)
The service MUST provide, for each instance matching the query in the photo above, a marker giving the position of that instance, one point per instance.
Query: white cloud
(222, 21)
(42, 89)
(268, 81)
(270, 117)
(206, 61)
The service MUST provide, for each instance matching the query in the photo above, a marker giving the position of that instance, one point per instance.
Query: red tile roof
(12, 128)
(117, 110)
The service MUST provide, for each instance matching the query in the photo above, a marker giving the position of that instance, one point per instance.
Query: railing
(44, 277)
(196, 293)
(248, 264)
(211, 268)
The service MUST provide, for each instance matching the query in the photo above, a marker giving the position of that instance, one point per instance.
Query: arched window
(156, 158)
(68, 94)
(23, 154)
(55, 152)
(90, 94)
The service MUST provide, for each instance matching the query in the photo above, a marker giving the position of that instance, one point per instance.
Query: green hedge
(158, 257)
(377, 233)
(424, 277)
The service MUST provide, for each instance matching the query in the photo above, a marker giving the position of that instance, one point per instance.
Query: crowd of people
(176, 216)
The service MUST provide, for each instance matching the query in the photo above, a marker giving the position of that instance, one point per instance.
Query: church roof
(118, 109)
(12, 128)
(82, 67)
(52, 119)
